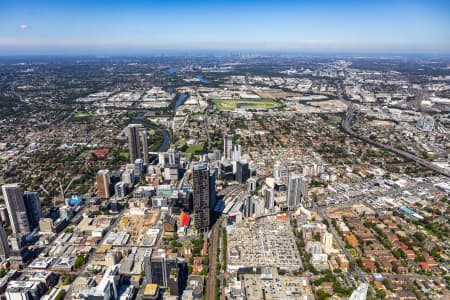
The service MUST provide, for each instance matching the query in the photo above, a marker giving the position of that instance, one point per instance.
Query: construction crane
(44, 190)
(47, 192)
(64, 190)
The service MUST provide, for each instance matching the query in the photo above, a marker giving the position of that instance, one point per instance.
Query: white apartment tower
(227, 146)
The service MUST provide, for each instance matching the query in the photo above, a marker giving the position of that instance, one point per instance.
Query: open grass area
(124, 154)
(195, 149)
(246, 104)
(84, 154)
(155, 138)
(83, 114)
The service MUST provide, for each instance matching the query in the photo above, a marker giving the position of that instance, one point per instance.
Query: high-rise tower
(294, 193)
(143, 138)
(33, 207)
(137, 142)
(227, 146)
(201, 201)
(4, 247)
(103, 184)
(16, 207)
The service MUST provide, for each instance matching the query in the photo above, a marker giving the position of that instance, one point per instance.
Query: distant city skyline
(139, 27)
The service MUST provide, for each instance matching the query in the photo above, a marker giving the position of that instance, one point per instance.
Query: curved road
(346, 126)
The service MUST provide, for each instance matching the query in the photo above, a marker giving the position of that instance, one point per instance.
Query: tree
(316, 237)
(281, 272)
(60, 295)
(67, 278)
(380, 293)
(322, 295)
(68, 230)
(79, 261)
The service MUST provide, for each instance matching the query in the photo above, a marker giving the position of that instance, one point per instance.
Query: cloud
(24, 27)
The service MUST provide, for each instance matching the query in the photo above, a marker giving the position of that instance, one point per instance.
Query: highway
(346, 121)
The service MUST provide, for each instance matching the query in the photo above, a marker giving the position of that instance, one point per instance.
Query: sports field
(245, 104)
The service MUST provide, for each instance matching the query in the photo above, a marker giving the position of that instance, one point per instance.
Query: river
(166, 136)
(202, 79)
(180, 100)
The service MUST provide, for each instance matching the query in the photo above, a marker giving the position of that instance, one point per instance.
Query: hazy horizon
(137, 27)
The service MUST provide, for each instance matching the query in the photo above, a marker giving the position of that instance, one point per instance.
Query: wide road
(361, 275)
(90, 257)
(346, 121)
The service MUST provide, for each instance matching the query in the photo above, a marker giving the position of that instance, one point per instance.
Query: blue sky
(126, 26)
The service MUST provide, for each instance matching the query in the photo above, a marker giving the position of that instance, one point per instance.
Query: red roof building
(101, 153)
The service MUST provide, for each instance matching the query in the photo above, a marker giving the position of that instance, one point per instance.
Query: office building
(132, 132)
(148, 264)
(16, 242)
(249, 208)
(258, 206)
(252, 184)
(194, 288)
(4, 216)
(227, 146)
(26, 290)
(151, 292)
(46, 225)
(174, 282)
(128, 177)
(279, 172)
(304, 191)
(15, 203)
(114, 207)
(201, 197)
(242, 171)
(66, 213)
(33, 207)
(137, 142)
(129, 293)
(138, 167)
(236, 153)
(313, 169)
(4, 247)
(116, 176)
(107, 288)
(144, 141)
(120, 190)
(212, 188)
(158, 266)
(226, 170)
(327, 242)
(171, 157)
(216, 155)
(171, 173)
(103, 184)
(269, 202)
(294, 194)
